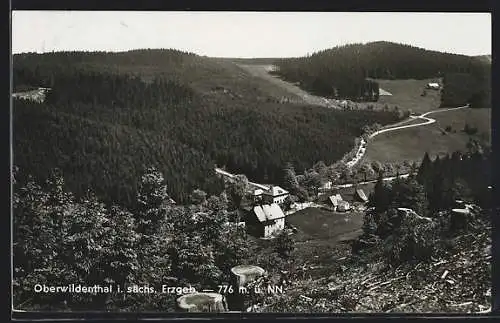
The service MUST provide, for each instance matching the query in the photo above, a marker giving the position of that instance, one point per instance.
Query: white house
(335, 200)
(266, 220)
(275, 194)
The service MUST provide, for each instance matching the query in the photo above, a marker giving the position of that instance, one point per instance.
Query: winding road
(362, 147)
(263, 72)
(427, 121)
(422, 116)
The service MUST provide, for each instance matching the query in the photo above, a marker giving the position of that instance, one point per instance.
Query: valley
(338, 183)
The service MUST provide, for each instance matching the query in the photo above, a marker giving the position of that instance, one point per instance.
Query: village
(264, 215)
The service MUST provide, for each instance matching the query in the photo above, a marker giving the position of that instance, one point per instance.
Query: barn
(265, 220)
(335, 200)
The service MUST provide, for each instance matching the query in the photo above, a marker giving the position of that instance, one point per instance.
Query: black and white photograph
(251, 162)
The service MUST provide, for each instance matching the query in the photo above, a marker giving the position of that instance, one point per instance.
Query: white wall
(277, 226)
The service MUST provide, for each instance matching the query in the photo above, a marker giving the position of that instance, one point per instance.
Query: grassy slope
(406, 94)
(412, 143)
(202, 74)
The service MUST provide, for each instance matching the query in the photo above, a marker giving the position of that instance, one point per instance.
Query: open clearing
(412, 143)
(295, 93)
(318, 224)
(322, 236)
(406, 94)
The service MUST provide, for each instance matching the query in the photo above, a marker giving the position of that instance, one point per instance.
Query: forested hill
(110, 115)
(342, 71)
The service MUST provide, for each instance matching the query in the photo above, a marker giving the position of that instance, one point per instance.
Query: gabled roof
(257, 192)
(268, 212)
(276, 191)
(361, 194)
(335, 199)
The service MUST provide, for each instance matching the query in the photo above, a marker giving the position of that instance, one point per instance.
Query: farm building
(433, 86)
(265, 220)
(360, 195)
(275, 194)
(335, 199)
(338, 203)
(343, 206)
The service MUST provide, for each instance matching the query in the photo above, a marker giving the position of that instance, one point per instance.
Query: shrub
(415, 239)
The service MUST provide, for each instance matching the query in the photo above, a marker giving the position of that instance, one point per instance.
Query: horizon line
(236, 57)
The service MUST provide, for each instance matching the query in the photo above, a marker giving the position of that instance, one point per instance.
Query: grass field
(406, 94)
(318, 224)
(412, 143)
(479, 118)
(322, 236)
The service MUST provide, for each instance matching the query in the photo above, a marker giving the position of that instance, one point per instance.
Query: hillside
(109, 115)
(343, 71)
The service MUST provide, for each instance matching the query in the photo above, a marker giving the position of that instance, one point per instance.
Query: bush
(448, 129)
(469, 129)
(413, 240)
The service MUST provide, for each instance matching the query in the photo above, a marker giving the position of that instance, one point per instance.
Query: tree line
(347, 72)
(429, 228)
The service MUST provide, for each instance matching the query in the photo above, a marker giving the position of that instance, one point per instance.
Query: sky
(246, 34)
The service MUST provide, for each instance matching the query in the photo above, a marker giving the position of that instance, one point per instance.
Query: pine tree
(290, 179)
(152, 201)
(380, 199)
(425, 170)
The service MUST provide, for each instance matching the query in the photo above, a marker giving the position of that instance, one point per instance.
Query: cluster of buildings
(338, 204)
(264, 215)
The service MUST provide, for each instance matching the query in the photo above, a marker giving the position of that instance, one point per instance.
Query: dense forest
(348, 71)
(101, 127)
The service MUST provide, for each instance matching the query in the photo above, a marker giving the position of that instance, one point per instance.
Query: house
(257, 195)
(326, 186)
(343, 206)
(275, 194)
(360, 195)
(335, 200)
(433, 86)
(265, 220)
